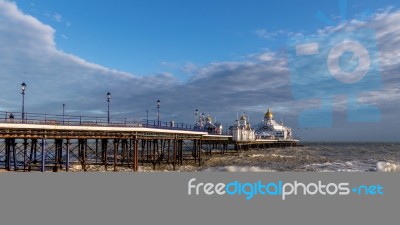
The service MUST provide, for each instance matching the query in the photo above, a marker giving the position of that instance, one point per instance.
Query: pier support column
(43, 158)
(14, 150)
(32, 153)
(174, 154)
(168, 150)
(7, 155)
(161, 152)
(194, 151)
(155, 145)
(84, 156)
(67, 155)
(142, 152)
(82, 143)
(181, 152)
(97, 151)
(199, 150)
(56, 146)
(116, 142)
(123, 155)
(147, 150)
(136, 154)
(130, 153)
(25, 153)
(104, 143)
(57, 155)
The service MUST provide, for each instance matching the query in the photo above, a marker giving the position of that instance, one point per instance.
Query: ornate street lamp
(108, 109)
(23, 87)
(158, 112)
(63, 113)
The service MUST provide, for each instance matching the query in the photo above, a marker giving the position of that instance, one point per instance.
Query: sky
(220, 57)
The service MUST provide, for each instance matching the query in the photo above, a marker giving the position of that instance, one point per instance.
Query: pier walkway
(43, 142)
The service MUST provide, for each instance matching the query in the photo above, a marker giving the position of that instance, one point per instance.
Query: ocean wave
(388, 167)
(238, 169)
(348, 166)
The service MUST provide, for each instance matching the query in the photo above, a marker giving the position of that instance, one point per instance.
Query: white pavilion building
(270, 129)
(242, 131)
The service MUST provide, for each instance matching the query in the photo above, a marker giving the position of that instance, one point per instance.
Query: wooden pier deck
(48, 146)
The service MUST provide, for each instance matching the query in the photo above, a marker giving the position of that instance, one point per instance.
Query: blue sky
(221, 57)
(147, 37)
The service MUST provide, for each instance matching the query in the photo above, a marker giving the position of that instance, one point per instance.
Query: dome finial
(208, 119)
(269, 115)
(243, 117)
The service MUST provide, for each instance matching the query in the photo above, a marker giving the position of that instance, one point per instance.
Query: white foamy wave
(388, 167)
(256, 155)
(282, 156)
(349, 166)
(238, 169)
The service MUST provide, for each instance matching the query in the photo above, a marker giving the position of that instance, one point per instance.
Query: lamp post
(196, 119)
(158, 112)
(108, 109)
(23, 87)
(63, 112)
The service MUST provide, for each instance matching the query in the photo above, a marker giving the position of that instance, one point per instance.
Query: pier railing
(73, 120)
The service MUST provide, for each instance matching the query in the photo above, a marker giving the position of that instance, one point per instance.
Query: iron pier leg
(124, 152)
(148, 149)
(194, 151)
(142, 153)
(168, 150)
(104, 152)
(25, 153)
(181, 152)
(33, 146)
(136, 155)
(67, 155)
(43, 155)
(130, 153)
(159, 145)
(84, 154)
(35, 161)
(8, 158)
(97, 150)
(56, 144)
(199, 148)
(154, 154)
(60, 159)
(159, 151)
(174, 155)
(115, 153)
(14, 154)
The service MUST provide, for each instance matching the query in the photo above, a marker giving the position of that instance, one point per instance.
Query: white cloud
(265, 34)
(57, 17)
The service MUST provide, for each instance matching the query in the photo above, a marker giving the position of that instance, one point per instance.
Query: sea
(318, 157)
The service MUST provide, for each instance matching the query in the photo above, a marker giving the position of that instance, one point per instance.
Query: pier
(42, 142)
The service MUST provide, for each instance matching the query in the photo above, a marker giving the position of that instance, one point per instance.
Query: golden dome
(269, 115)
(243, 117)
(208, 118)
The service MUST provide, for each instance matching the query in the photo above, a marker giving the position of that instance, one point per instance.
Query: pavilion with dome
(270, 129)
(242, 130)
(206, 123)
